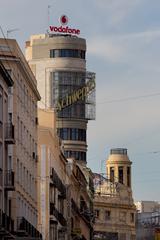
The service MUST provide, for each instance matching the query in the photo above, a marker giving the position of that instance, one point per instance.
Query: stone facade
(22, 156)
(65, 199)
(113, 203)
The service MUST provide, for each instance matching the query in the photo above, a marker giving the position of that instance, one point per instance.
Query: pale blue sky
(123, 39)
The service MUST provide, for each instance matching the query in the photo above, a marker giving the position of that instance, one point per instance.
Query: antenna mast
(11, 30)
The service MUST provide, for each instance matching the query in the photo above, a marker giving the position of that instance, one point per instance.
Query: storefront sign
(61, 29)
(77, 95)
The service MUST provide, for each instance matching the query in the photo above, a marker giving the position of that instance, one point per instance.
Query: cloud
(125, 47)
(117, 10)
(105, 48)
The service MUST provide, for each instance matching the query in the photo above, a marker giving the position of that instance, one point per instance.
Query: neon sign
(77, 95)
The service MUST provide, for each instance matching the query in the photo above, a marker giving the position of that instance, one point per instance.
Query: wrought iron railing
(6, 222)
(56, 181)
(85, 213)
(25, 228)
(1, 130)
(59, 216)
(9, 180)
(9, 133)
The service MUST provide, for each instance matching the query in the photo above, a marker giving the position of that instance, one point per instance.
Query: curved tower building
(59, 64)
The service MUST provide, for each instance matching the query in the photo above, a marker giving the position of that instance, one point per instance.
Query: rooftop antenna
(48, 14)
(11, 30)
(48, 18)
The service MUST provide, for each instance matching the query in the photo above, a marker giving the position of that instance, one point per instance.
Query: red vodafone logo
(64, 20)
(64, 29)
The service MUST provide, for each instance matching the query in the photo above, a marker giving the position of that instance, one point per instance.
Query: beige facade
(6, 138)
(63, 189)
(22, 156)
(113, 203)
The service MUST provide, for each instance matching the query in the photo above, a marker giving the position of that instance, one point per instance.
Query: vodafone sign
(64, 21)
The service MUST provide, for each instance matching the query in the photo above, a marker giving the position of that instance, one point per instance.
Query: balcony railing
(1, 178)
(59, 216)
(56, 181)
(24, 228)
(75, 207)
(1, 130)
(86, 215)
(9, 133)
(6, 224)
(9, 180)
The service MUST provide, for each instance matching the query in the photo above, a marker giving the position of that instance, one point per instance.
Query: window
(1, 200)
(1, 107)
(75, 154)
(122, 236)
(9, 162)
(24, 176)
(61, 234)
(53, 230)
(120, 174)
(133, 237)
(17, 173)
(128, 176)
(1, 130)
(72, 134)
(63, 84)
(97, 213)
(122, 217)
(27, 184)
(60, 204)
(20, 173)
(73, 53)
(132, 217)
(112, 174)
(83, 205)
(107, 215)
(53, 195)
(1, 156)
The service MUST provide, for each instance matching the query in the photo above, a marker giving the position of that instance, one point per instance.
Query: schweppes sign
(77, 95)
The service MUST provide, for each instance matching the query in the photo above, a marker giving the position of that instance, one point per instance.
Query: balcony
(1, 131)
(9, 180)
(59, 216)
(1, 178)
(26, 229)
(56, 181)
(86, 215)
(74, 206)
(9, 133)
(6, 226)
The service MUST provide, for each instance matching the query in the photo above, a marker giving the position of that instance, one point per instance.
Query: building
(6, 172)
(22, 142)
(147, 220)
(147, 206)
(59, 63)
(113, 203)
(64, 196)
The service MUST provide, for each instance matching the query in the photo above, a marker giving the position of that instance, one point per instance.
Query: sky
(123, 49)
